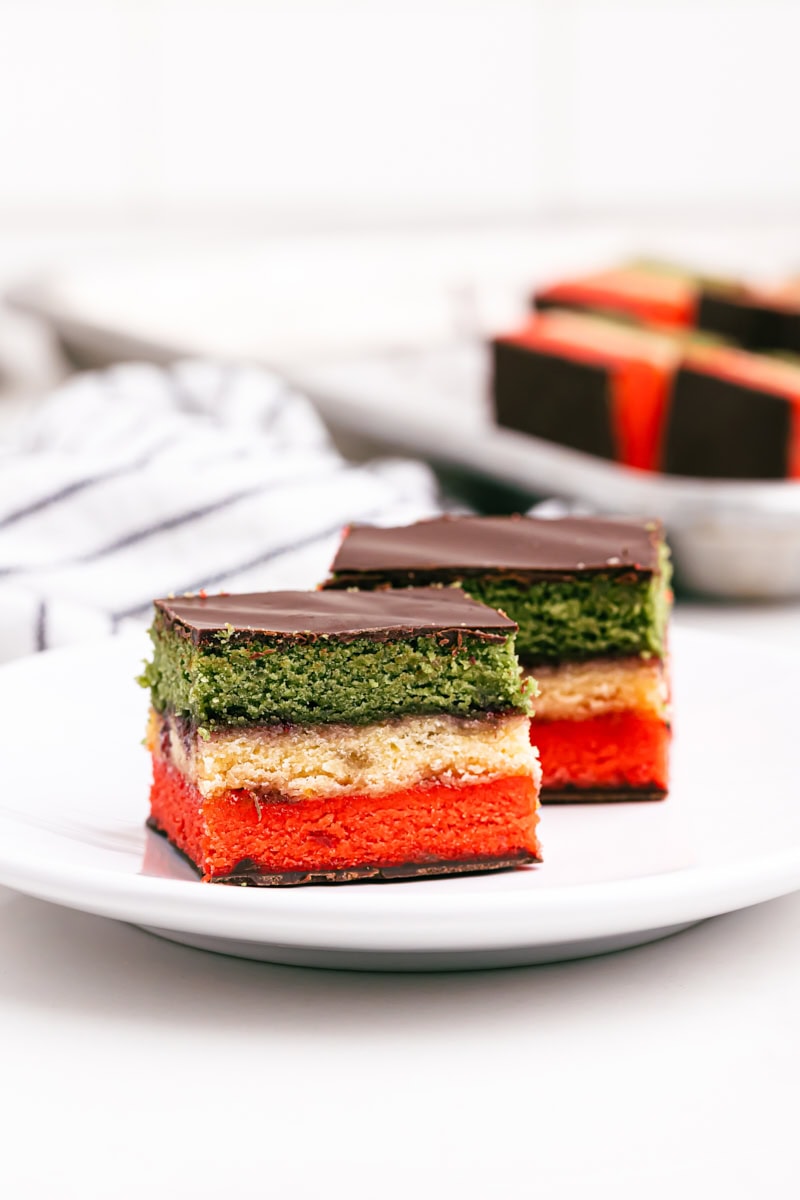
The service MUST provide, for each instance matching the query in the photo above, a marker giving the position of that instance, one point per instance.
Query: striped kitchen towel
(138, 481)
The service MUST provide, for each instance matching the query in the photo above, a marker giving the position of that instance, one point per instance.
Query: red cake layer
(638, 405)
(421, 825)
(615, 752)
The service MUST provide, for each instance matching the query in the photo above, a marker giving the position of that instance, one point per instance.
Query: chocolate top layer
(529, 546)
(343, 615)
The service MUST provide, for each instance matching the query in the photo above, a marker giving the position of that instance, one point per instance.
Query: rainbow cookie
(591, 599)
(667, 296)
(302, 737)
(591, 384)
(733, 415)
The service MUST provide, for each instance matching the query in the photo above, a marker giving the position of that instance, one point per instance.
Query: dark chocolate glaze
(445, 613)
(724, 430)
(247, 872)
(528, 547)
(553, 397)
(790, 331)
(739, 317)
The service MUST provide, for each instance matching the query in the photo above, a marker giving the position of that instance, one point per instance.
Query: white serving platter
(736, 539)
(324, 309)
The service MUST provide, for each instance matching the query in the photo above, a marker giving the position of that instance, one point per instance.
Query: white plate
(75, 798)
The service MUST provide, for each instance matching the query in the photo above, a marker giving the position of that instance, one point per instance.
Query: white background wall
(326, 112)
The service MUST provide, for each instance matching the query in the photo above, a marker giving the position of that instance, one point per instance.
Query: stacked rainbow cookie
(302, 737)
(591, 598)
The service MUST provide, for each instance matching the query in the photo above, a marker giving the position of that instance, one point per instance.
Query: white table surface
(134, 1067)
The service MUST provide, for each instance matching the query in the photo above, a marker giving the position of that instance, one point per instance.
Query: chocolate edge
(701, 404)
(415, 577)
(446, 635)
(430, 575)
(554, 397)
(617, 795)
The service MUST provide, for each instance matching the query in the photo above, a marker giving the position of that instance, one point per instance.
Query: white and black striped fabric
(139, 482)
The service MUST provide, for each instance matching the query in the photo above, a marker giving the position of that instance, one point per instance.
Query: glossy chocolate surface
(528, 546)
(343, 615)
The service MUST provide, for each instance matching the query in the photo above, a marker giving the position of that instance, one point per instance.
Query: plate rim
(461, 921)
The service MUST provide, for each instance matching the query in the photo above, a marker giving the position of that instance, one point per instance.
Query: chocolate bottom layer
(552, 396)
(247, 874)
(578, 795)
(720, 429)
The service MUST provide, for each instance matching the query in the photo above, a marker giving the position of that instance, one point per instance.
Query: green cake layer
(581, 618)
(262, 680)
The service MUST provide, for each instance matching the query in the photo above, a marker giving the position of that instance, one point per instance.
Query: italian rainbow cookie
(661, 294)
(591, 599)
(655, 401)
(303, 737)
(591, 384)
(733, 415)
